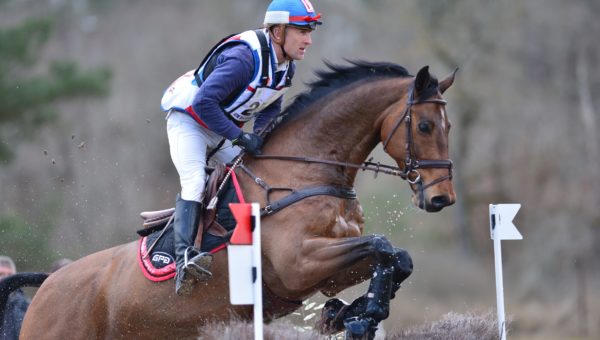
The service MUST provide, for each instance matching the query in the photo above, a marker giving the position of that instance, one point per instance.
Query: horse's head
(415, 134)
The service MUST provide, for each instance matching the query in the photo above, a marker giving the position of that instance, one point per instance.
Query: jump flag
(501, 221)
(502, 228)
(244, 258)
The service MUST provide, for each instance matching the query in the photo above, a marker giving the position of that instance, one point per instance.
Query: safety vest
(243, 104)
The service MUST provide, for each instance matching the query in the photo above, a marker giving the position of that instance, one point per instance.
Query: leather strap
(298, 195)
(265, 51)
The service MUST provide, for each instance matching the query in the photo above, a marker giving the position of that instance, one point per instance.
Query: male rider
(244, 77)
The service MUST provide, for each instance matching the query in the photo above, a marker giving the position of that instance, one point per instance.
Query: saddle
(156, 248)
(159, 219)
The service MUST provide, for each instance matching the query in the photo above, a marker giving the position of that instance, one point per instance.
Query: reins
(411, 164)
(366, 166)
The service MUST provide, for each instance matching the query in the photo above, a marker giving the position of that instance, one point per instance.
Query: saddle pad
(159, 265)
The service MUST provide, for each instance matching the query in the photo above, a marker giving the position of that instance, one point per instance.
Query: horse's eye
(424, 127)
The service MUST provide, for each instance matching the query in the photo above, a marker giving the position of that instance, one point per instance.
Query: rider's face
(296, 42)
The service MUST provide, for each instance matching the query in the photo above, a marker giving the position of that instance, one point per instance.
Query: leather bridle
(411, 163)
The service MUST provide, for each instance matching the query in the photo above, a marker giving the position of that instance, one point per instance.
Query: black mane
(338, 76)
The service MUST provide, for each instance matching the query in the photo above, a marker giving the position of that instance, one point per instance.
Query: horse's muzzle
(433, 204)
(439, 202)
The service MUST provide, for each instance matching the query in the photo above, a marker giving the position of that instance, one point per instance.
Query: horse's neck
(342, 127)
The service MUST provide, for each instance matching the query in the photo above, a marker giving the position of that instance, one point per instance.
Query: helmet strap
(281, 42)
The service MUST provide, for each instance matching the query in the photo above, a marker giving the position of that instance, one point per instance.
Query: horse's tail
(11, 283)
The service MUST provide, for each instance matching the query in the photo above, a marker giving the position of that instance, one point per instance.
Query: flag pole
(257, 273)
(499, 288)
(502, 228)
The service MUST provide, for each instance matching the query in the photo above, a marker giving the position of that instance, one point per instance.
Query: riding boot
(192, 265)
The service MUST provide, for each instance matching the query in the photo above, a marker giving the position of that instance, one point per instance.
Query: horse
(311, 243)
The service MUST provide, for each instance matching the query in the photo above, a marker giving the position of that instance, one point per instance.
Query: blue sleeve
(267, 114)
(234, 69)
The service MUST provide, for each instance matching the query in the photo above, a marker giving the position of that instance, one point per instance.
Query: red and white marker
(244, 257)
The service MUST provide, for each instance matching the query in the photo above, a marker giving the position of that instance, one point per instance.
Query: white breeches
(190, 143)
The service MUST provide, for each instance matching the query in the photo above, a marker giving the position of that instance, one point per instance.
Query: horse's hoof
(331, 320)
(360, 328)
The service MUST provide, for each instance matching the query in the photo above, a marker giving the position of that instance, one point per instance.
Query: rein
(411, 164)
(366, 166)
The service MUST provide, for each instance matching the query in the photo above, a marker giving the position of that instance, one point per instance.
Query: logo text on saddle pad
(161, 259)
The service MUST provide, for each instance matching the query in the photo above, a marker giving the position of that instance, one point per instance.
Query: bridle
(411, 164)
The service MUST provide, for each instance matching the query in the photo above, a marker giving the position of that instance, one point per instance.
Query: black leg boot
(192, 265)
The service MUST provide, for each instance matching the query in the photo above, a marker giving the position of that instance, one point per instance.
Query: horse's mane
(338, 76)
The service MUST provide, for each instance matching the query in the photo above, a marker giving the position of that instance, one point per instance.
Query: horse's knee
(403, 264)
(383, 249)
(403, 267)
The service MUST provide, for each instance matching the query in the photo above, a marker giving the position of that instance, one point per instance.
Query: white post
(502, 228)
(499, 288)
(245, 262)
(257, 269)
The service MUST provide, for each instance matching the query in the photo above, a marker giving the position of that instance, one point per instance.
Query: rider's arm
(267, 114)
(234, 69)
(272, 110)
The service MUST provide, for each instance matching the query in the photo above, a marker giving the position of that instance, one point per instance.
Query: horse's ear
(422, 79)
(447, 82)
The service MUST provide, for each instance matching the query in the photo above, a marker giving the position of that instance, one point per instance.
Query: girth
(297, 195)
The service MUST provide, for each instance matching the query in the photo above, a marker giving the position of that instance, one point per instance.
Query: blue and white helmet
(300, 13)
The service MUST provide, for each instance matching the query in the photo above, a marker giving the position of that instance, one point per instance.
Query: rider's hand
(250, 142)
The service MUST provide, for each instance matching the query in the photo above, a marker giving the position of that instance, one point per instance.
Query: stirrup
(198, 265)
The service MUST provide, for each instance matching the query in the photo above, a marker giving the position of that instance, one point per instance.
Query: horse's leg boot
(192, 265)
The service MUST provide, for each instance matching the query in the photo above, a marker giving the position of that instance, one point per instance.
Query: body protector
(244, 103)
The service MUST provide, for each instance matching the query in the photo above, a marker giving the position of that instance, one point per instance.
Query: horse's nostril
(440, 201)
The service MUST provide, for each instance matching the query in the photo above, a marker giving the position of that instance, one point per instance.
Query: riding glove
(250, 142)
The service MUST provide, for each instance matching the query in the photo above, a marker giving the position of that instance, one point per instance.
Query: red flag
(242, 212)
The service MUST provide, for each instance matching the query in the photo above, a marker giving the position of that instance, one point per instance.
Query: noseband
(411, 164)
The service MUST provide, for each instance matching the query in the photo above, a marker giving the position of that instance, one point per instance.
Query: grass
(452, 326)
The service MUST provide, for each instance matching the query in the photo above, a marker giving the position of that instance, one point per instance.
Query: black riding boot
(192, 265)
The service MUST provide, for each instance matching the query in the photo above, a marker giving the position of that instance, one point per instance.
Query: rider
(242, 78)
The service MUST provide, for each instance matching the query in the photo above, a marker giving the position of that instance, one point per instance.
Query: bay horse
(314, 244)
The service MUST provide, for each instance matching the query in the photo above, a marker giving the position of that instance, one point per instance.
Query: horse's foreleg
(358, 273)
(321, 258)
(366, 311)
(361, 318)
(403, 267)
(361, 322)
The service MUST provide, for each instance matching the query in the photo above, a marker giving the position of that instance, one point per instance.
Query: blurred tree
(26, 243)
(26, 96)
(441, 17)
(28, 91)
